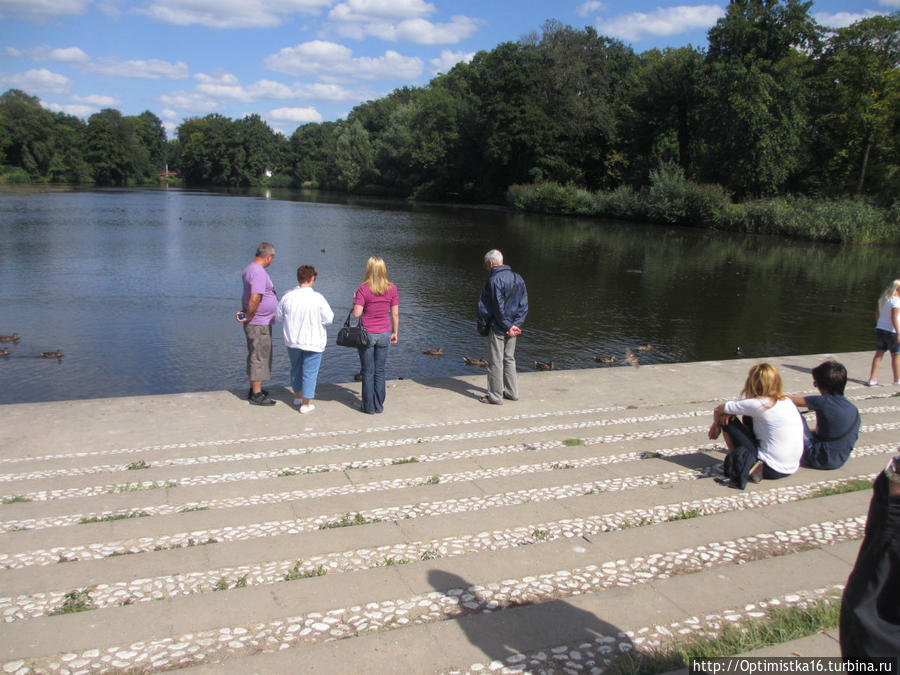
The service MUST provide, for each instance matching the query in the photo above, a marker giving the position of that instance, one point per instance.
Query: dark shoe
(756, 472)
(487, 399)
(261, 391)
(261, 399)
(718, 470)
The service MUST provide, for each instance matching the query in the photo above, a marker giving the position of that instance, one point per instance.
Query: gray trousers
(501, 370)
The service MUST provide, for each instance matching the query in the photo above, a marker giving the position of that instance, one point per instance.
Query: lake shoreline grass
(671, 199)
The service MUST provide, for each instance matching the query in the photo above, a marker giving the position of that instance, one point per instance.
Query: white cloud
(300, 115)
(392, 66)
(40, 81)
(662, 21)
(416, 31)
(230, 13)
(214, 91)
(330, 61)
(42, 9)
(151, 69)
(227, 86)
(375, 10)
(448, 59)
(68, 55)
(844, 19)
(331, 92)
(895, 4)
(190, 100)
(82, 111)
(588, 8)
(42, 53)
(98, 100)
(398, 21)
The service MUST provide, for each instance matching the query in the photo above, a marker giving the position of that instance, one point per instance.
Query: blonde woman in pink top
(378, 303)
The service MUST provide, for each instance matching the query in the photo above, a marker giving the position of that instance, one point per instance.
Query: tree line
(776, 105)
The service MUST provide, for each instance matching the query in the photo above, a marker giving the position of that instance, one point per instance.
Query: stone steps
(516, 529)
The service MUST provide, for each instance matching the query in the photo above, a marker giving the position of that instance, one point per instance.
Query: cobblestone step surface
(196, 531)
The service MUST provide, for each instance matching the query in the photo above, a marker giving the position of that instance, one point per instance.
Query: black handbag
(870, 619)
(353, 336)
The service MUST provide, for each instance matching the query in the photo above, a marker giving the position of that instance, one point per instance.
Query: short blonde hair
(763, 381)
(889, 291)
(376, 276)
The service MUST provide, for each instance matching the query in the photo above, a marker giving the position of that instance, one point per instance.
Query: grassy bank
(671, 199)
(780, 626)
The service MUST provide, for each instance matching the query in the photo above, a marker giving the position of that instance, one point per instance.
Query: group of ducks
(630, 358)
(14, 338)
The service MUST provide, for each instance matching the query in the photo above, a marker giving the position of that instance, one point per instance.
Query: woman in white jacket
(304, 313)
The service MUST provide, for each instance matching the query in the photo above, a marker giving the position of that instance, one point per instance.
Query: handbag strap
(853, 426)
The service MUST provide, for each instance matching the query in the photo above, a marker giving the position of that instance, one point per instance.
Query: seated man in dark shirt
(837, 420)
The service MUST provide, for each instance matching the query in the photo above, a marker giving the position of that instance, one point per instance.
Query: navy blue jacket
(503, 302)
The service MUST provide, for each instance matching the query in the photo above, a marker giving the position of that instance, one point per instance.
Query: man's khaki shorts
(259, 352)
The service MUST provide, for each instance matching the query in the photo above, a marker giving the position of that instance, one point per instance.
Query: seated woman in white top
(769, 439)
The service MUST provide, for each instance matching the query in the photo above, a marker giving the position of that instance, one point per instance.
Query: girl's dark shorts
(886, 341)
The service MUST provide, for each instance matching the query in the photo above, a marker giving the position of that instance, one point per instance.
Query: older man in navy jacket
(502, 308)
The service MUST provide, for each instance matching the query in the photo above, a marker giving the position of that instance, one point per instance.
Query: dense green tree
(756, 119)
(68, 165)
(260, 155)
(663, 115)
(28, 133)
(858, 108)
(585, 81)
(205, 150)
(112, 150)
(393, 152)
(512, 126)
(354, 156)
(374, 116)
(312, 149)
(151, 136)
(438, 145)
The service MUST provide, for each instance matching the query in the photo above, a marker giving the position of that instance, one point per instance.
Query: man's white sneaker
(307, 408)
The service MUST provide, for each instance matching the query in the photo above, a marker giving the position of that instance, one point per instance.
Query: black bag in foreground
(738, 463)
(870, 608)
(353, 336)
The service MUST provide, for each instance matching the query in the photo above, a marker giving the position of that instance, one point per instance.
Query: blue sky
(298, 61)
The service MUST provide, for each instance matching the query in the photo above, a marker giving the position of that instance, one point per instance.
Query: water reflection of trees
(698, 293)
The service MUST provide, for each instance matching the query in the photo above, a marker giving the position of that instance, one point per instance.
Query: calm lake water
(138, 288)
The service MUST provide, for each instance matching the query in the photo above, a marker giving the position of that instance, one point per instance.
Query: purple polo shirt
(256, 280)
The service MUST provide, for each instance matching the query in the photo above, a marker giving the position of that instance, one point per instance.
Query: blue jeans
(372, 360)
(304, 371)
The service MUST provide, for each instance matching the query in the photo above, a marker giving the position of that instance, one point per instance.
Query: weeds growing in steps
(294, 573)
(75, 601)
(781, 625)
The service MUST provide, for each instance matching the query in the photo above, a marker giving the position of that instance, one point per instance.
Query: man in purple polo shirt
(258, 304)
